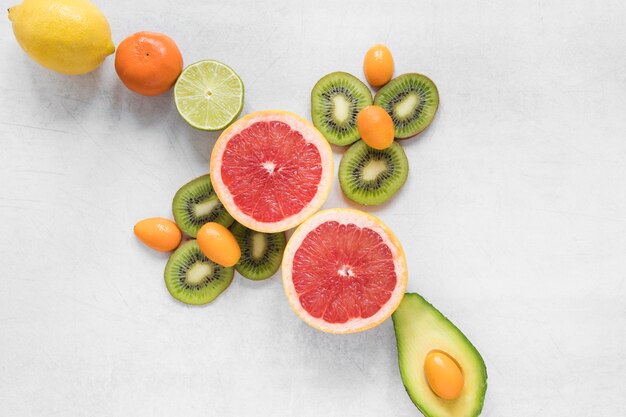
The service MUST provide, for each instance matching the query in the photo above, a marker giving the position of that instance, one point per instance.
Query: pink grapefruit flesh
(271, 170)
(344, 271)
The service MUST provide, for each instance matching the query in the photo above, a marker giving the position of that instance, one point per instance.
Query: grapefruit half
(272, 170)
(344, 271)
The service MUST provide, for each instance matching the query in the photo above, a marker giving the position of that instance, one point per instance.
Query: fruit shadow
(369, 209)
(425, 135)
(250, 284)
(161, 111)
(323, 358)
(100, 95)
(154, 255)
(339, 355)
(144, 110)
(69, 96)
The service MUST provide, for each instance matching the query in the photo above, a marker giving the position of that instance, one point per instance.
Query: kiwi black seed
(370, 176)
(261, 253)
(196, 204)
(411, 100)
(336, 100)
(193, 278)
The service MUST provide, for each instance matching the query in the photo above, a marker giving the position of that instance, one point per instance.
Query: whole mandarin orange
(148, 63)
(375, 127)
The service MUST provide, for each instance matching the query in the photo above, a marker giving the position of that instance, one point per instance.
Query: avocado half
(421, 328)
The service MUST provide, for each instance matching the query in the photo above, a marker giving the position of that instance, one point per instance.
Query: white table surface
(513, 216)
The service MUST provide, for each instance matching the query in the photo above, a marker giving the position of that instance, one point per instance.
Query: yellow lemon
(67, 36)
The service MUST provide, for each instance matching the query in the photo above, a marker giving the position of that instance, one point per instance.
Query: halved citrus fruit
(344, 271)
(209, 95)
(271, 170)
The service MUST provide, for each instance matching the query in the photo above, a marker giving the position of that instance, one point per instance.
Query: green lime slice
(209, 95)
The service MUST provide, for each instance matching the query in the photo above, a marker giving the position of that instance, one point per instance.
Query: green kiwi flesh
(196, 204)
(336, 100)
(370, 176)
(192, 278)
(261, 253)
(411, 100)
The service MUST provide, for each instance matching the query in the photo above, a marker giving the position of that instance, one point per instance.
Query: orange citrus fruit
(148, 63)
(158, 233)
(375, 127)
(344, 271)
(378, 65)
(271, 170)
(218, 244)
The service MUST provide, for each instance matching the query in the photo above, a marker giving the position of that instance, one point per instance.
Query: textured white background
(513, 216)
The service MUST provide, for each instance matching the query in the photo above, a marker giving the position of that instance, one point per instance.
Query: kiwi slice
(336, 100)
(193, 278)
(261, 253)
(370, 176)
(196, 204)
(411, 100)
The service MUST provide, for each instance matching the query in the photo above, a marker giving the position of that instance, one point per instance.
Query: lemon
(67, 36)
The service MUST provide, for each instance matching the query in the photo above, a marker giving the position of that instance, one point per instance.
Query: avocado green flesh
(421, 328)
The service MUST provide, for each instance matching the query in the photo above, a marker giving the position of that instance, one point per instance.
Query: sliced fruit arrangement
(271, 170)
(202, 268)
(403, 107)
(412, 101)
(370, 176)
(193, 278)
(148, 63)
(196, 204)
(336, 100)
(442, 371)
(261, 253)
(209, 95)
(344, 271)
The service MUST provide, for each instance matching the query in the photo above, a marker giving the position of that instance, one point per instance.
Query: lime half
(209, 95)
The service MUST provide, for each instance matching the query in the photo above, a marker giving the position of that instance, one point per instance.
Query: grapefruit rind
(309, 133)
(361, 219)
